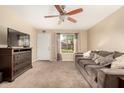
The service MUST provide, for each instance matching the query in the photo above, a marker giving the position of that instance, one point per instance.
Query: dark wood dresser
(14, 61)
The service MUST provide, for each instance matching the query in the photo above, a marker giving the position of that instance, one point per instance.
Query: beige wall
(108, 34)
(82, 40)
(9, 19)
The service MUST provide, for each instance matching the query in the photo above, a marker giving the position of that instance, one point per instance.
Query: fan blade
(72, 20)
(75, 11)
(51, 16)
(59, 9)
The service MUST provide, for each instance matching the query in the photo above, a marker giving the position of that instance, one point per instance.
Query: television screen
(17, 39)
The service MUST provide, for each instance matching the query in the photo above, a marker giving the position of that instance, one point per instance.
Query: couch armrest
(117, 72)
(78, 53)
(107, 80)
(77, 56)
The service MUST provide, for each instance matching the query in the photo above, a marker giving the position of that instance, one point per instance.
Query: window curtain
(59, 56)
(76, 41)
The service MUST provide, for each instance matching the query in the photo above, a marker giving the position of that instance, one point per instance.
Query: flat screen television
(17, 39)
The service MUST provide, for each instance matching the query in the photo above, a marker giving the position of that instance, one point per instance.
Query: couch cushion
(92, 73)
(103, 60)
(104, 53)
(86, 62)
(95, 66)
(119, 63)
(117, 54)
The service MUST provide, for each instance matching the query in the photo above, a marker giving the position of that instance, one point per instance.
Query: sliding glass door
(67, 43)
(67, 46)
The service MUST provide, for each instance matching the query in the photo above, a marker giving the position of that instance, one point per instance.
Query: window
(67, 43)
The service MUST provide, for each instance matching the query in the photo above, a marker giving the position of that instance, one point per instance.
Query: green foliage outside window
(67, 43)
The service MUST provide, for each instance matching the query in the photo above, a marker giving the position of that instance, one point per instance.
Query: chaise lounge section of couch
(99, 76)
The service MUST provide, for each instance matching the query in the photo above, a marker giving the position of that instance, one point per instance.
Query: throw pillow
(104, 53)
(103, 60)
(119, 63)
(88, 55)
(96, 56)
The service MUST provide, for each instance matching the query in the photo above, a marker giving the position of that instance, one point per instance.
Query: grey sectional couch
(99, 76)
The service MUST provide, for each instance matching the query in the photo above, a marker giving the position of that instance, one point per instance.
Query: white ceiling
(91, 15)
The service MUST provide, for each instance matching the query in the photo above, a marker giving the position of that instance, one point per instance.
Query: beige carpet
(49, 75)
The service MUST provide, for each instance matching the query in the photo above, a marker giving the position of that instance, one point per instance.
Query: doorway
(44, 46)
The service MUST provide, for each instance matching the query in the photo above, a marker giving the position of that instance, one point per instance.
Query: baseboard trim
(45, 60)
(35, 60)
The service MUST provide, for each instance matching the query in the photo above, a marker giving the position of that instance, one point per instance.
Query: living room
(53, 59)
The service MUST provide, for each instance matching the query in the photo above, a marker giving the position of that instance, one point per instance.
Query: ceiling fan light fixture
(63, 7)
(65, 15)
(62, 17)
(59, 22)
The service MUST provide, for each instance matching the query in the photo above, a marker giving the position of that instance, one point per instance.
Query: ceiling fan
(65, 15)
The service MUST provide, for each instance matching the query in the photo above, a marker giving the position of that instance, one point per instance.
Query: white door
(44, 46)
